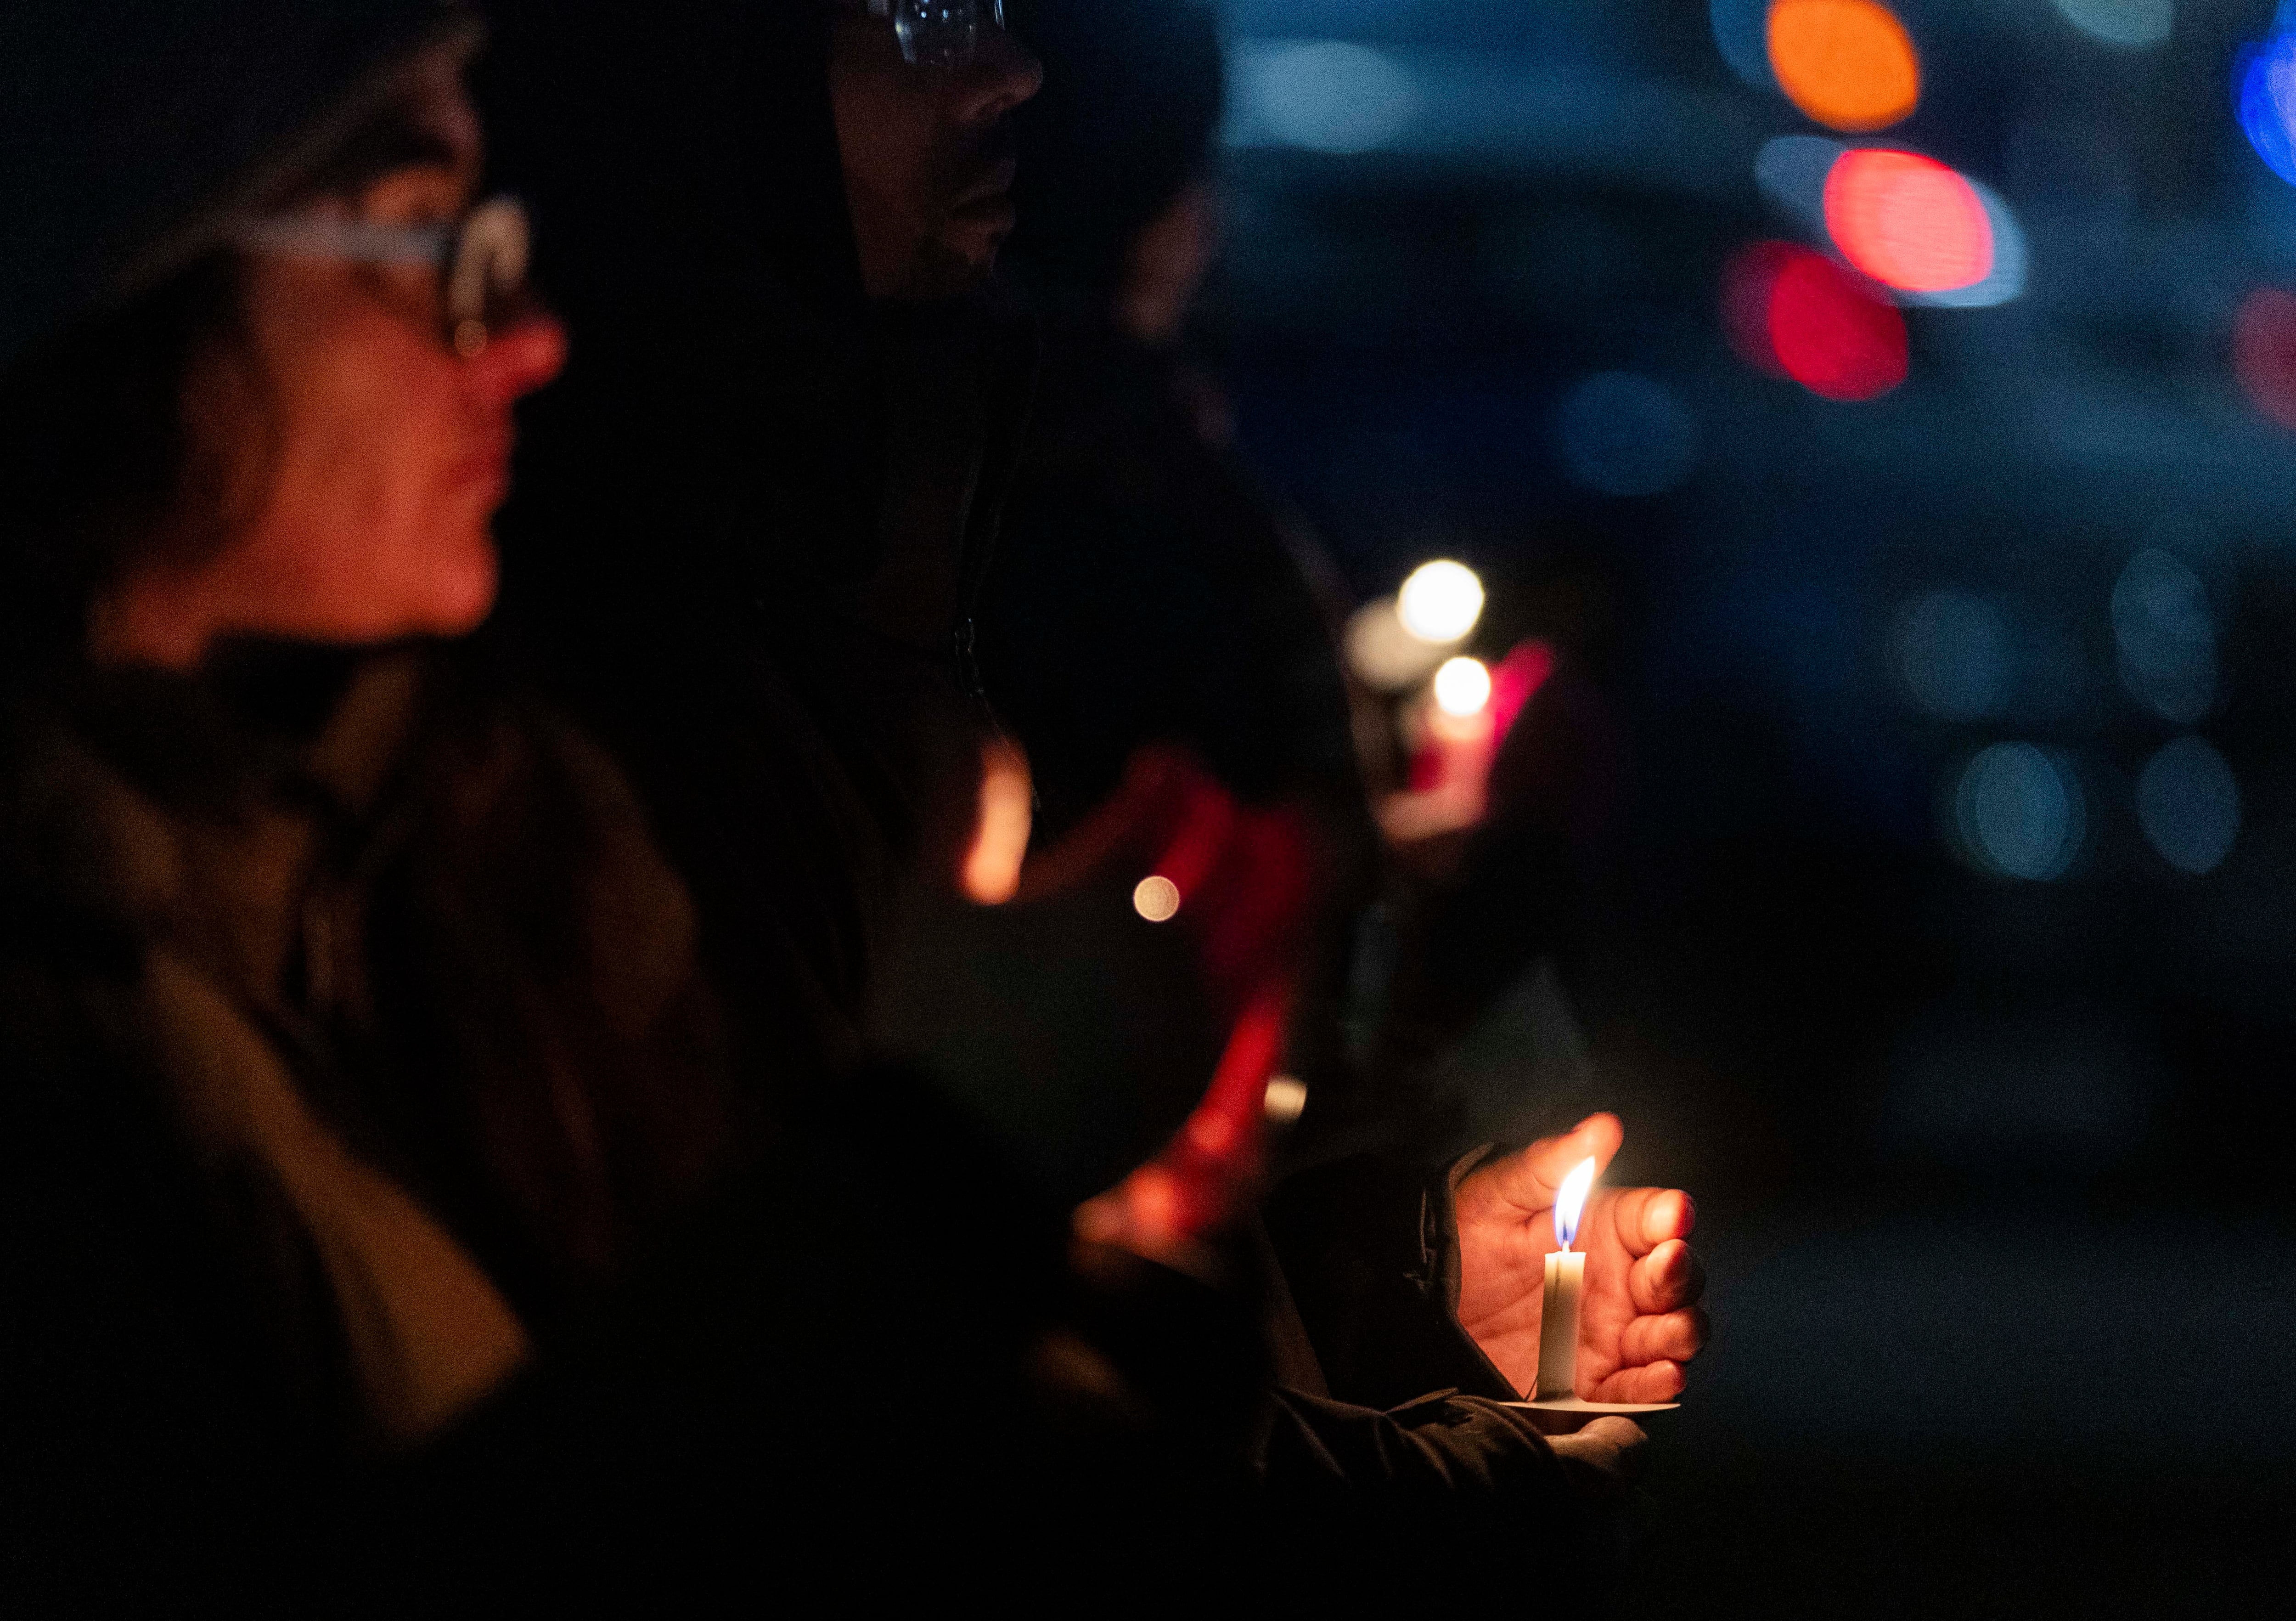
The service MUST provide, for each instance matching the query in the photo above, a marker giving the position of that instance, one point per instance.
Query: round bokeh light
(2131, 24)
(2264, 95)
(2264, 353)
(1794, 313)
(1626, 434)
(1908, 221)
(1850, 64)
(2188, 803)
(1156, 898)
(1462, 686)
(1441, 601)
(2020, 812)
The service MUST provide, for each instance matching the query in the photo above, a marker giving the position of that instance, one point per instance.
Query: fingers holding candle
(1528, 1182)
(1655, 1382)
(1640, 1320)
(1645, 1218)
(1675, 1337)
(1668, 1278)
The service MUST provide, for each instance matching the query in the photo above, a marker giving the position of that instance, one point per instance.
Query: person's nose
(1002, 74)
(519, 357)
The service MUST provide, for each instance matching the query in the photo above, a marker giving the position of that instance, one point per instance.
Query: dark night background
(1993, 1172)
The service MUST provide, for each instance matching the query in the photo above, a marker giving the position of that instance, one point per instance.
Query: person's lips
(992, 193)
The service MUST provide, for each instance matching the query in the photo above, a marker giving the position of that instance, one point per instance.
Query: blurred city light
(2020, 813)
(2133, 23)
(2264, 93)
(1846, 64)
(1156, 898)
(1462, 686)
(1883, 216)
(1385, 655)
(1286, 1099)
(1328, 96)
(1624, 434)
(2189, 805)
(1953, 654)
(1741, 33)
(1440, 602)
(2264, 353)
(1794, 313)
(2167, 636)
(1908, 221)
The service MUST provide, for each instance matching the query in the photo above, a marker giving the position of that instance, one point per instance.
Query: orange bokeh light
(1795, 313)
(1848, 64)
(1908, 221)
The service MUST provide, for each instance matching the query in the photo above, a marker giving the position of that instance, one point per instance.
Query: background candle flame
(1572, 1199)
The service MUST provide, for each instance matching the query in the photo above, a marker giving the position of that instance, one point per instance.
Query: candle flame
(1571, 1200)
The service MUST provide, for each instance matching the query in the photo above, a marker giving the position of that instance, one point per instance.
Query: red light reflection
(1794, 313)
(1908, 221)
(2264, 353)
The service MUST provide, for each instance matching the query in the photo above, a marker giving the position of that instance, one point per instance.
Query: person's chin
(459, 582)
(975, 232)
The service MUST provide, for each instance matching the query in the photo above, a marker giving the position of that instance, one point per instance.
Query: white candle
(1566, 1276)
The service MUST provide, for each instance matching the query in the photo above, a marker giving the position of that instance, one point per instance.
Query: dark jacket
(750, 522)
(748, 530)
(1145, 593)
(383, 1229)
(336, 1087)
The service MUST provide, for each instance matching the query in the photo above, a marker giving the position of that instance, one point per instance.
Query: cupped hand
(1638, 1318)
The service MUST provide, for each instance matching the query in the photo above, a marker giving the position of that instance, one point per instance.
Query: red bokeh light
(2264, 353)
(1795, 313)
(1908, 221)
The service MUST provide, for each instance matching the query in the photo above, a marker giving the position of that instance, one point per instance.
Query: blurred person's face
(1167, 266)
(928, 154)
(357, 458)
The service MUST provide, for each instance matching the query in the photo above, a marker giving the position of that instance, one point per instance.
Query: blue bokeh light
(2167, 635)
(2188, 803)
(1953, 654)
(1625, 434)
(2264, 95)
(1327, 95)
(2020, 812)
(1741, 33)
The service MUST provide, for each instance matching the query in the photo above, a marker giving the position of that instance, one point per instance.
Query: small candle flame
(1571, 1200)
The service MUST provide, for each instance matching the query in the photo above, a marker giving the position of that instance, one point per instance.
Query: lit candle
(1566, 1275)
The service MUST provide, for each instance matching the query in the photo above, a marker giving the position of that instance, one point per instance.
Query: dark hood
(131, 129)
(721, 407)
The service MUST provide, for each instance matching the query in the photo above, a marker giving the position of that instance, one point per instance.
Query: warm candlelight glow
(1462, 686)
(1440, 602)
(1156, 898)
(991, 874)
(1571, 1199)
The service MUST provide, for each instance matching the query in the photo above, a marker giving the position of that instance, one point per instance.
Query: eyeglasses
(482, 258)
(940, 33)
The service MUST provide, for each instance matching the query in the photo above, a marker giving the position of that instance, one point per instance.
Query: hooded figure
(750, 525)
(369, 1228)
(748, 531)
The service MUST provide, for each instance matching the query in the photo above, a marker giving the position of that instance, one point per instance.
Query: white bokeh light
(1462, 686)
(1441, 601)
